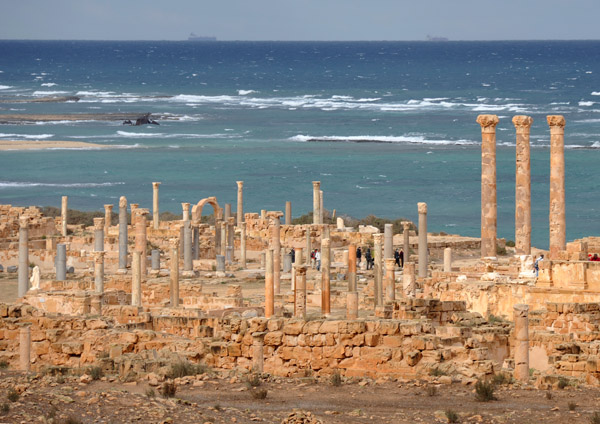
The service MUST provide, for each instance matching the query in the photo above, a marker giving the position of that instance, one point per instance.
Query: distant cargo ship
(194, 37)
(430, 38)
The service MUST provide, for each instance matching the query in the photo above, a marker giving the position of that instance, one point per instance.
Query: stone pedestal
(408, 279)
(352, 305)
(388, 241)
(107, 218)
(155, 259)
(316, 202)
(488, 185)
(377, 269)
(123, 234)
(174, 277)
(258, 342)
(288, 213)
(185, 207)
(300, 298)
(243, 245)
(390, 280)
(406, 241)
(25, 348)
(23, 270)
(351, 267)
(155, 210)
(523, 186)
(240, 203)
(220, 263)
(61, 262)
(557, 185)
(325, 276)
(269, 286)
(448, 259)
(99, 272)
(423, 240)
(63, 215)
(99, 234)
(136, 278)
(141, 237)
(276, 244)
(521, 319)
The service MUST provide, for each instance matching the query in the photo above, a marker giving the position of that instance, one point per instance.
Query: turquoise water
(280, 115)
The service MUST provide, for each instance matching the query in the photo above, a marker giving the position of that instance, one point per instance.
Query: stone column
(448, 259)
(321, 209)
(186, 211)
(155, 211)
(258, 342)
(155, 260)
(269, 287)
(388, 241)
(316, 202)
(352, 305)
(263, 214)
(298, 260)
(557, 185)
(406, 240)
(123, 234)
(287, 263)
(325, 276)
(136, 278)
(227, 211)
(377, 281)
(408, 279)
(300, 303)
(218, 237)
(240, 203)
(196, 239)
(99, 234)
(489, 210)
(140, 237)
(63, 215)
(187, 246)
(351, 267)
(220, 263)
(276, 236)
(25, 348)
(243, 245)
(390, 280)
(61, 262)
(99, 271)
(174, 280)
(223, 238)
(288, 213)
(23, 270)
(132, 209)
(230, 239)
(521, 318)
(308, 245)
(422, 239)
(107, 218)
(523, 186)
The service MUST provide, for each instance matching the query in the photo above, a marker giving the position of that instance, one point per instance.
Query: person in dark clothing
(369, 258)
(358, 255)
(402, 258)
(293, 253)
(397, 257)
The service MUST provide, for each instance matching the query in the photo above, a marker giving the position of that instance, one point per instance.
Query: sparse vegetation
(501, 378)
(452, 416)
(549, 395)
(5, 408)
(13, 395)
(484, 391)
(217, 407)
(562, 382)
(72, 420)
(510, 243)
(96, 372)
(168, 389)
(336, 379)
(185, 368)
(572, 406)
(431, 391)
(150, 393)
(3, 364)
(259, 393)
(595, 418)
(437, 372)
(253, 380)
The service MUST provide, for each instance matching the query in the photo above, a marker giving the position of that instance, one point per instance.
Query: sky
(286, 20)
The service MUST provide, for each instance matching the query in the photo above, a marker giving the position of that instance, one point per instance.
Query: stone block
(293, 327)
(273, 338)
(371, 339)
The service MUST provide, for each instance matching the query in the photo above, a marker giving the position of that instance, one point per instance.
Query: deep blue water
(247, 110)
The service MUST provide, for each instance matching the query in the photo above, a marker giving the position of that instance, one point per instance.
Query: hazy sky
(300, 19)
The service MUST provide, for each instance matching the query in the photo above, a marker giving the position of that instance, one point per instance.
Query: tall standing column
(223, 224)
(523, 186)
(23, 270)
(240, 203)
(388, 241)
(321, 209)
(132, 208)
(377, 281)
(186, 211)
(325, 276)
(63, 214)
(136, 278)
(288, 213)
(521, 318)
(298, 260)
(61, 262)
(390, 280)
(557, 185)
(316, 202)
(308, 244)
(155, 211)
(408, 279)
(300, 304)
(406, 240)
(218, 237)
(174, 288)
(187, 246)
(230, 239)
(352, 267)
(489, 212)
(195, 239)
(276, 236)
(99, 271)
(123, 233)
(99, 234)
(243, 245)
(141, 238)
(269, 287)
(422, 239)
(25, 348)
(227, 211)
(107, 218)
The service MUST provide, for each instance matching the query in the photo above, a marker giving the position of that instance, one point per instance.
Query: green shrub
(437, 372)
(572, 406)
(150, 393)
(5, 408)
(500, 379)
(13, 395)
(595, 418)
(510, 243)
(562, 382)
(432, 391)
(452, 416)
(168, 389)
(484, 391)
(185, 368)
(96, 372)
(336, 379)
(253, 380)
(3, 364)
(259, 393)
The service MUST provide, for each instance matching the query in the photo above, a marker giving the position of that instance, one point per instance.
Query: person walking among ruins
(397, 257)
(293, 254)
(312, 258)
(318, 259)
(402, 258)
(369, 258)
(536, 265)
(358, 256)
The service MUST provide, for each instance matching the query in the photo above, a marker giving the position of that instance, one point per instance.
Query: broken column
(489, 211)
(352, 305)
(220, 263)
(140, 237)
(408, 279)
(174, 277)
(136, 278)
(269, 287)
(123, 234)
(230, 239)
(448, 259)
(422, 239)
(240, 203)
(325, 276)
(388, 241)
(276, 244)
(316, 202)
(390, 280)
(63, 215)
(25, 348)
(218, 237)
(377, 272)
(99, 234)
(300, 303)
(155, 211)
(107, 218)
(297, 260)
(187, 246)
(521, 319)
(61, 262)
(406, 240)
(132, 208)
(185, 211)
(557, 185)
(23, 270)
(155, 260)
(227, 211)
(523, 186)
(99, 271)
(288, 213)
(287, 263)
(351, 267)
(258, 342)
(243, 245)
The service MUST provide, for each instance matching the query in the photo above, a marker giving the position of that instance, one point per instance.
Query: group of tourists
(315, 258)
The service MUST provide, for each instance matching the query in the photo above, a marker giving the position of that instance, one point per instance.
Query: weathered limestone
(408, 279)
(227, 211)
(132, 208)
(390, 280)
(316, 202)
(174, 277)
(155, 211)
(223, 225)
(521, 319)
(352, 305)
(263, 214)
(448, 259)
(351, 267)
(557, 185)
(218, 243)
(23, 270)
(25, 348)
(123, 234)
(406, 240)
(99, 271)
(240, 203)
(377, 271)
(196, 239)
(185, 211)
(99, 234)
(287, 263)
(61, 262)
(325, 276)
(107, 218)
(276, 237)
(258, 343)
(489, 211)
(288, 213)
(422, 239)
(220, 263)
(523, 186)
(155, 260)
(308, 245)
(269, 286)
(298, 260)
(321, 209)
(300, 302)
(388, 241)
(243, 245)
(187, 246)
(63, 215)
(136, 278)
(141, 237)
(230, 240)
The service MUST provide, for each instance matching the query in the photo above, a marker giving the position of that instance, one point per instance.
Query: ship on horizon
(434, 38)
(194, 37)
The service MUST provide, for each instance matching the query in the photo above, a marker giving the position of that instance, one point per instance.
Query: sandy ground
(42, 144)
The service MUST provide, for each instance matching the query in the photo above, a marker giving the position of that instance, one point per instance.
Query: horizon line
(300, 41)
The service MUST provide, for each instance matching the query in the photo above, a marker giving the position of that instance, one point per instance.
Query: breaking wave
(15, 184)
(380, 139)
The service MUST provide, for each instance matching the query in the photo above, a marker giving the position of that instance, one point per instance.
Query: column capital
(155, 185)
(316, 184)
(240, 184)
(185, 206)
(65, 198)
(108, 207)
(390, 263)
(23, 222)
(378, 237)
(174, 243)
(98, 223)
(556, 122)
(422, 207)
(405, 225)
(123, 202)
(300, 269)
(231, 220)
(142, 211)
(521, 310)
(243, 225)
(522, 122)
(488, 122)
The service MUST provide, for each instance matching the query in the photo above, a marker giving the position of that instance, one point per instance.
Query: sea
(382, 125)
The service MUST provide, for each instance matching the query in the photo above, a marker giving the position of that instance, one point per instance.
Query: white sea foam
(26, 136)
(595, 93)
(65, 122)
(586, 103)
(127, 134)
(380, 139)
(246, 92)
(16, 184)
(138, 135)
(5, 87)
(48, 93)
(49, 84)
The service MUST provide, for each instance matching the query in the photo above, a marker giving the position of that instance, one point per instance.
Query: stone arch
(197, 209)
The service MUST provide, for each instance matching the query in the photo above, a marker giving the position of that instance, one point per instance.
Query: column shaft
(308, 245)
(23, 270)
(316, 202)
(521, 318)
(557, 185)
(123, 233)
(25, 348)
(325, 276)
(288, 213)
(422, 240)
(300, 303)
(107, 218)
(61, 262)
(269, 287)
(136, 278)
(523, 186)
(174, 280)
(448, 259)
(276, 236)
(408, 279)
(406, 240)
(99, 234)
(141, 238)
(243, 245)
(352, 305)
(63, 214)
(99, 272)
(240, 203)
(390, 280)
(187, 246)
(377, 271)
(488, 185)
(155, 211)
(388, 241)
